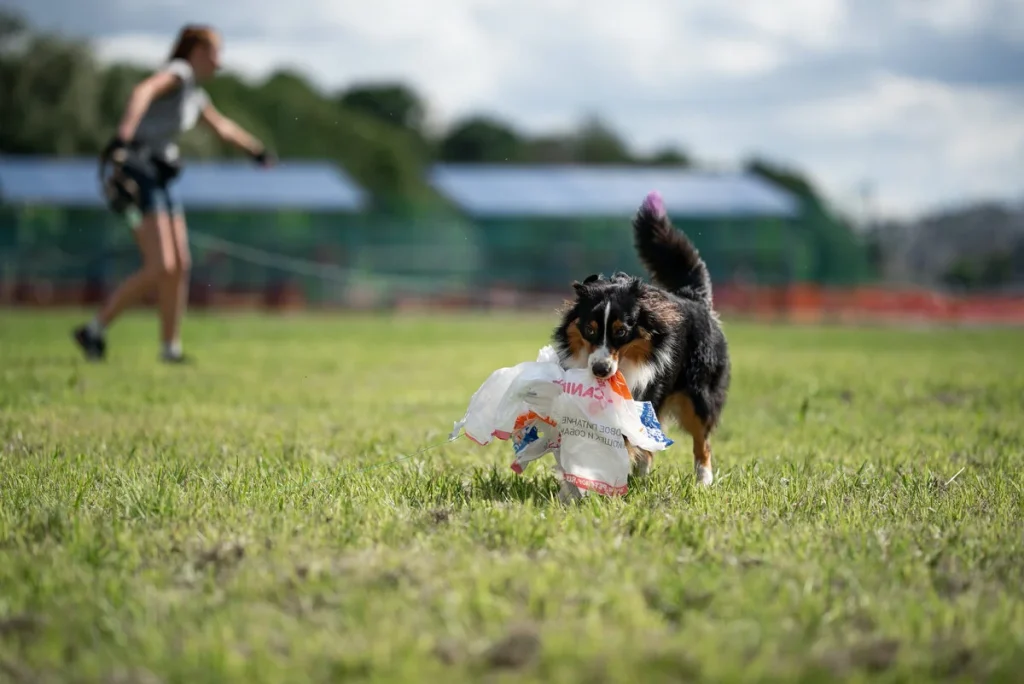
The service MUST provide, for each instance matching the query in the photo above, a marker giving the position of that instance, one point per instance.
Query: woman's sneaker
(93, 346)
(175, 358)
(170, 352)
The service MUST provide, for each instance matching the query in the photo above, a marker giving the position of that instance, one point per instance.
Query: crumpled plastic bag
(580, 419)
(496, 408)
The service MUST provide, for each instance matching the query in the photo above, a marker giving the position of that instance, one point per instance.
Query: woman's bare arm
(230, 132)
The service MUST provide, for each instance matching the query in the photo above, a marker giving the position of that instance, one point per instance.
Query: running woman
(144, 155)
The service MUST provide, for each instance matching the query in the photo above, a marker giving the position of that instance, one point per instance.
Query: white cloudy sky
(922, 99)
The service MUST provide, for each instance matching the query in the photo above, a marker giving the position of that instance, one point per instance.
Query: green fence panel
(390, 253)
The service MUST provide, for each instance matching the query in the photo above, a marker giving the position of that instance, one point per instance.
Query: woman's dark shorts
(155, 193)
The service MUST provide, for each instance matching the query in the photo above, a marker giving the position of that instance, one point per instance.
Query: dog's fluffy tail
(668, 254)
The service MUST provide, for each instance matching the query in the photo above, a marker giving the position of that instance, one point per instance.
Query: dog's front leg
(569, 493)
(641, 461)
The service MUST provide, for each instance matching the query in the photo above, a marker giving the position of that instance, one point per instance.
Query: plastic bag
(509, 393)
(592, 455)
(579, 418)
(535, 436)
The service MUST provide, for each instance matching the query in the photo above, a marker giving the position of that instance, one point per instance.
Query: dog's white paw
(705, 477)
(569, 493)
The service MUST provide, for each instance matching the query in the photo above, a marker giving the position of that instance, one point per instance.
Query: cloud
(934, 140)
(922, 98)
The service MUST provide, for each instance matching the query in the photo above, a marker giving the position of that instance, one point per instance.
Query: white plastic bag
(582, 420)
(531, 391)
(507, 394)
(640, 425)
(592, 455)
(481, 414)
(534, 437)
(648, 435)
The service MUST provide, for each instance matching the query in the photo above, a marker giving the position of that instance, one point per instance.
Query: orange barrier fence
(816, 304)
(796, 303)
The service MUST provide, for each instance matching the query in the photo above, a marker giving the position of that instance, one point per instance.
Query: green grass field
(238, 521)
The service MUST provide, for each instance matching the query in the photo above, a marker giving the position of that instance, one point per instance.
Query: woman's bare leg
(153, 239)
(183, 259)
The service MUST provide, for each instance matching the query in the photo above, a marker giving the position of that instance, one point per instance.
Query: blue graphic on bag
(529, 437)
(650, 421)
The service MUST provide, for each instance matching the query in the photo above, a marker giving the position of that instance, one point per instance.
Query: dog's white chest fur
(638, 376)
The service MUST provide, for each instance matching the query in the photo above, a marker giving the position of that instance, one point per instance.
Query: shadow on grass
(491, 484)
(479, 484)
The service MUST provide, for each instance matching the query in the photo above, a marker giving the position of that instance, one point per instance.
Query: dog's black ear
(582, 288)
(635, 285)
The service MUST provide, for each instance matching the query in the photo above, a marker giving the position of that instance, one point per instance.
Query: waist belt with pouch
(167, 166)
(120, 189)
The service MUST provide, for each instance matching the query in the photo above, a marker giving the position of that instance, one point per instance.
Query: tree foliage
(481, 139)
(597, 143)
(392, 103)
(788, 178)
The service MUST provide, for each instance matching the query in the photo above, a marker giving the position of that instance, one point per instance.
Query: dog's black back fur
(671, 320)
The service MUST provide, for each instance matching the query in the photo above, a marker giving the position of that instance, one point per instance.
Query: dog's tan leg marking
(679, 407)
(641, 460)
